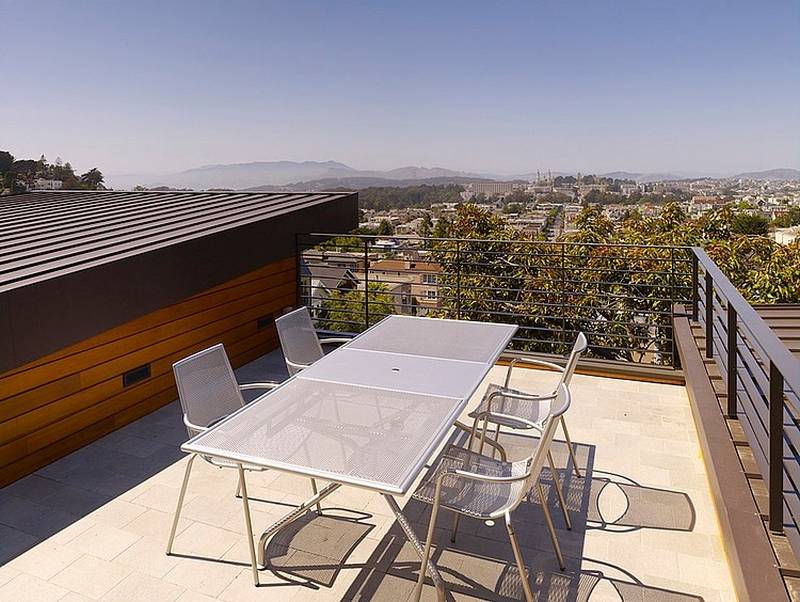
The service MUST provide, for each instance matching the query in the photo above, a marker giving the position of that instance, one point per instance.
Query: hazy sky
(505, 87)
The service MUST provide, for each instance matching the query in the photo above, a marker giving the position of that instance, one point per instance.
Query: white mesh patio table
(369, 414)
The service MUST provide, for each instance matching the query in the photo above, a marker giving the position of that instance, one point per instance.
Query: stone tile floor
(93, 525)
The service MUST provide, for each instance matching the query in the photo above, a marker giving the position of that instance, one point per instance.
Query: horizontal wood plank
(61, 402)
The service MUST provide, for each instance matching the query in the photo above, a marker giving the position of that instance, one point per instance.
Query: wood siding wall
(59, 403)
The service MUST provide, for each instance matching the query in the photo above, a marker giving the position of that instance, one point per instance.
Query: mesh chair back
(207, 387)
(298, 337)
(572, 363)
(554, 409)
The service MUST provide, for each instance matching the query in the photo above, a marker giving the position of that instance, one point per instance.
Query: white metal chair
(521, 407)
(208, 393)
(299, 341)
(472, 484)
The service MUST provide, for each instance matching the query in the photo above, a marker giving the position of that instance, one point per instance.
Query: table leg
(417, 545)
(296, 513)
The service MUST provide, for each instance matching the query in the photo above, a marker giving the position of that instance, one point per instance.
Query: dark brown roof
(51, 233)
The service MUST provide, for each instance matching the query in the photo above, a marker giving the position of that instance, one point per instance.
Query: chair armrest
(292, 364)
(530, 360)
(194, 427)
(482, 477)
(335, 340)
(529, 423)
(250, 386)
(491, 442)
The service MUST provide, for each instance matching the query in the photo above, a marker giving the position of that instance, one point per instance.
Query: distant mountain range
(320, 175)
(771, 174)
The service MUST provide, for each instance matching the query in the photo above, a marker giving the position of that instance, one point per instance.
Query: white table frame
(258, 559)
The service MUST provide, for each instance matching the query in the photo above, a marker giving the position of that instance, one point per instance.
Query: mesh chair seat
(532, 410)
(479, 499)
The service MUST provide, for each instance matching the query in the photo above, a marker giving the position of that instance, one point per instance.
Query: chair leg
(557, 484)
(523, 573)
(180, 503)
(423, 569)
(314, 491)
(570, 448)
(454, 532)
(249, 525)
(549, 520)
(496, 439)
(238, 487)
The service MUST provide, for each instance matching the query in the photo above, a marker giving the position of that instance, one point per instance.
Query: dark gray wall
(47, 316)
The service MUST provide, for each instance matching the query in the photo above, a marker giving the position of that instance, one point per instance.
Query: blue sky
(503, 87)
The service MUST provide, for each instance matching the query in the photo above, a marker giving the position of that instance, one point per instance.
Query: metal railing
(762, 383)
(621, 296)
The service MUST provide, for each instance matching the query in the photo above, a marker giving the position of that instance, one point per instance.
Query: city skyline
(639, 87)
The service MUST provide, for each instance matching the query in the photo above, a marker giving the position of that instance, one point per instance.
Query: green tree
(6, 162)
(385, 228)
(442, 228)
(426, 226)
(752, 224)
(344, 311)
(92, 179)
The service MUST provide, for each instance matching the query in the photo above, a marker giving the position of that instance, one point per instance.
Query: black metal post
(458, 280)
(298, 264)
(775, 449)
(562, 285)
(695, 288)
(733, 341)
(366, 283)
(709, 315)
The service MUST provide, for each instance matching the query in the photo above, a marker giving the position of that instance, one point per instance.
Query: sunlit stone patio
(94, 525)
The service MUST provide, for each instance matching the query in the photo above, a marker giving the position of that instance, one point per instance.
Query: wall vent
(265, 321)
(131, 377)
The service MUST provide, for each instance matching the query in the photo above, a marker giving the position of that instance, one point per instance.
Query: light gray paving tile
(27, 588)
(138, 587)
(91, 577)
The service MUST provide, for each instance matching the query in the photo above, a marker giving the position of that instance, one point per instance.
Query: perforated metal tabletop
(370, 413)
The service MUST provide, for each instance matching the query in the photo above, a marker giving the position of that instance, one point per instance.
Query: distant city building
(491, 188)
(785, 236)
(43, 184)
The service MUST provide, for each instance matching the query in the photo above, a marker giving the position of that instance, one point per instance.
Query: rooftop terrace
(94, 524)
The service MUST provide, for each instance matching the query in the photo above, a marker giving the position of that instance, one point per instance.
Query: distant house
(43, 184)
(421, 278)
(318, 282)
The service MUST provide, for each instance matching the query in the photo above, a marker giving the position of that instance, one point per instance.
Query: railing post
(673, 355)
(709, 315)
(366, 283)
(775, 449)
(695, 288)
(298, 264)
(562, 285)
(733, 341)
(458, 280)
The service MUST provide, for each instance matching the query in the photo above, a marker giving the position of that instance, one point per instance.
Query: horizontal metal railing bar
(452, 255)
(775, 350)
(542, 327)
(639, 311)
(327, 235)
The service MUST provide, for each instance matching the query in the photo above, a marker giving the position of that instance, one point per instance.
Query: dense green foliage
(391, 197)
(620, 292)
(344, 310)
